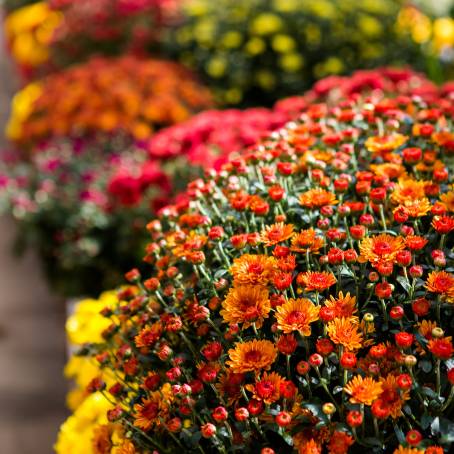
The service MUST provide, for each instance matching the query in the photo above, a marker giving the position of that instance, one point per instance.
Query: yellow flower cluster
(86, 324)
(29, 31)
(438, 34)
(257, 47)
(77, 432)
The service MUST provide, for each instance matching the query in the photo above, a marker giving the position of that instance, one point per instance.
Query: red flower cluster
(208, 138)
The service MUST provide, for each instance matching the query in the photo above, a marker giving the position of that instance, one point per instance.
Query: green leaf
(404, 283)
(399, 434)
(426, 420)
(425, 365)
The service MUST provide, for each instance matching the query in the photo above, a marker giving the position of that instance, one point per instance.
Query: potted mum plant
(301, 300)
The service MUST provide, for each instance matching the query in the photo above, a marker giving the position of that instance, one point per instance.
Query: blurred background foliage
(250, 52)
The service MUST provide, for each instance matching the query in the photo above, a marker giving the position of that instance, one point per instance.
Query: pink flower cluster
(207, 139)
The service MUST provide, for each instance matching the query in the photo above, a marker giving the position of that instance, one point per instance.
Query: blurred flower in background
(255, 51)
(29, 32)
(128, 94)
(83, 205)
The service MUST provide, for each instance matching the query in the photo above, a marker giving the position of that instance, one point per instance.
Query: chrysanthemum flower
(343, 306)
(381, 144)
(246, 304)
(346, 332)
(415, 208)
(252, 356)
(363, 390)
(153, 409)
(447, 199)
(297, 315)
(441, 282)
(381, 248)
(407, 450)
(307, 240)
(267, 388)
(392, 396)
(339, 442)
(408, 189)
(314, 280)
(317, 198)
(276, 233)
(253, 269)
(441, 348)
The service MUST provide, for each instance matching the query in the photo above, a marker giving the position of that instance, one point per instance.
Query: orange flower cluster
(300, 299)
(125, 94)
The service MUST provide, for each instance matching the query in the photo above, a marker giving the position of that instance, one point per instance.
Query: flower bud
(208, 430)
(241, 414)
(329, 408)
(415, 271)
(283, 419)
(315, 360)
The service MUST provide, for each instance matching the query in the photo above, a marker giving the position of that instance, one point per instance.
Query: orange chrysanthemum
(343, 306)
(252, 269)
(246, 304)
(102, 443)
(305, 446)
(339, 443)
(415, 208)
(276, 233)
(381, 144)
(346, 332)
(425, 328)
(314, 280)
(193, 242)
(447, 200)
(317, 198)
(388, 169)
(408, 189)
(442, 283)
(152, 410)
(402, 450)
(381, 248)
(267, 388)
(229, 385)
(127, 448)
(392, 397)
(252, 356)
(297, 315)
(307, 241)
(363, 390)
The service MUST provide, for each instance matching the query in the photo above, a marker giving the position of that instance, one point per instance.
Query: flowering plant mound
(302, 300)
(84, 206)
(28, 32)
(208, 138)
(377, 83)
(108, 27)
(127, 94)
(264, 49)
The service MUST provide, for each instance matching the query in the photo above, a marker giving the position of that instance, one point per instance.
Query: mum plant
(83, 204)
(252, 52)
(125, 94)
(302, 299)
(108, 27)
